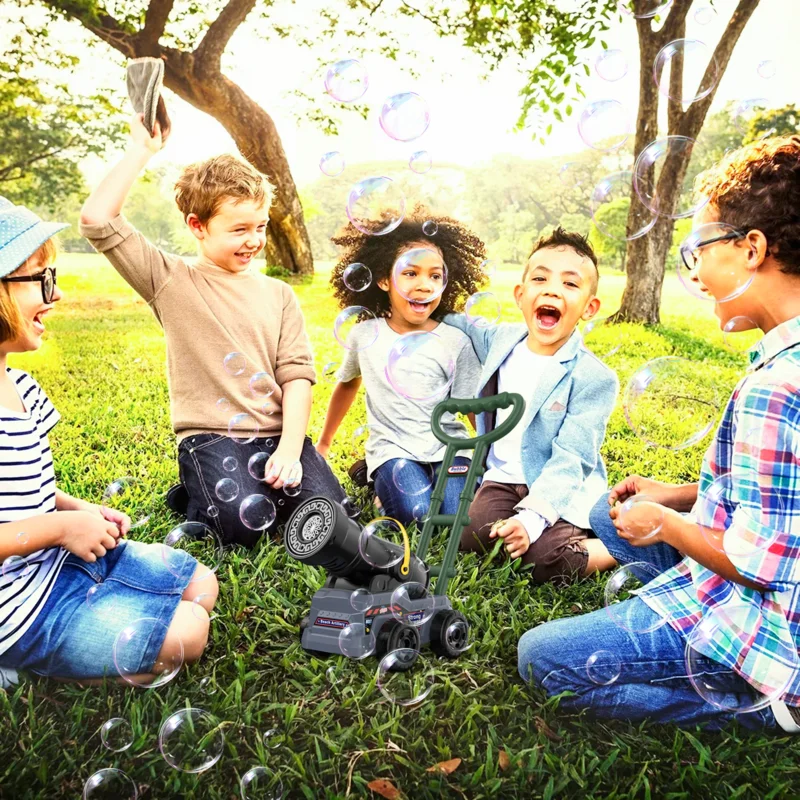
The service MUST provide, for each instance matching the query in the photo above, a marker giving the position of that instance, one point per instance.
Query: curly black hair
(463, 253)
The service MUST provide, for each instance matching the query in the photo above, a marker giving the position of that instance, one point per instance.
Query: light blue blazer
(565, 420)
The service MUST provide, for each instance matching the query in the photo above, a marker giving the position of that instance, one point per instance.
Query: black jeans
(200, 460)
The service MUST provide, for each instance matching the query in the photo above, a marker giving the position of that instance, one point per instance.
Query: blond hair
(12, 324)
(203, 186)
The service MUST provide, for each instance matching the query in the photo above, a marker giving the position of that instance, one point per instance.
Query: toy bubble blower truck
(377, 596)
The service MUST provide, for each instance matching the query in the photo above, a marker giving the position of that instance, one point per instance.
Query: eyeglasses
(690, 250)
(47, 278)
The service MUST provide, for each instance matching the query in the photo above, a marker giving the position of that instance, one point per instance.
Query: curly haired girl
(423, 269)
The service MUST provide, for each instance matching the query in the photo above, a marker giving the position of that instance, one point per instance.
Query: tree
(557, 34)
(610, 243)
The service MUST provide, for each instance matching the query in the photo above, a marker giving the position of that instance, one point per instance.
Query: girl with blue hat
(55, 548)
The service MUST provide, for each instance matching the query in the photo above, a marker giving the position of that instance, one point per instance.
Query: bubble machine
(364, 609)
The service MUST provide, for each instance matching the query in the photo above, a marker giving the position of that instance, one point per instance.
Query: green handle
(478, 405)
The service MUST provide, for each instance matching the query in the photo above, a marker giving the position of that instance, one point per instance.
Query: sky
(473, 112)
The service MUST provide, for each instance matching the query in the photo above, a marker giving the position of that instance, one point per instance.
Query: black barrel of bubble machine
(321, 534)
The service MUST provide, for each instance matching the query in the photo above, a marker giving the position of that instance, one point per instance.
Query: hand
(283, 469)
(323, 449)
(141, 136)
(87, 534)
(634, 484)
(514, 536)
(645, 523)
(122, 521)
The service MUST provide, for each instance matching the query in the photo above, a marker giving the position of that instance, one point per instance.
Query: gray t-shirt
(400, 426)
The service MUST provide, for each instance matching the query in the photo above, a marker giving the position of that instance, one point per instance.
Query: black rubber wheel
(447, 639)
(395, 635)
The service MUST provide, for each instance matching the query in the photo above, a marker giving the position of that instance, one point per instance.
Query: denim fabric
(661, 555)
(200, 459)
(74, 638)
(418, 482)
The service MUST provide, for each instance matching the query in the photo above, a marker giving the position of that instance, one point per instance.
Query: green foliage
(103, 365)
(611, 248)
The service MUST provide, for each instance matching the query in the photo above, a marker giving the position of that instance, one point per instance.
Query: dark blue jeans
(202, 460)
(652, 682)
(418, 482)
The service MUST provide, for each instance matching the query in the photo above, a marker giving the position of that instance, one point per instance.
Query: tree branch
(5, 172)
(100, 23)
(209, 51)
(154, 23)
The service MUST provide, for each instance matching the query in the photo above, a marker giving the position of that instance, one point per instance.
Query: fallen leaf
(384, 788)
(544, 728)
(503, 760)
(445, 767)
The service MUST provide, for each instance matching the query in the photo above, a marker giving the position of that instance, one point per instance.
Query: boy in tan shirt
(239, 362)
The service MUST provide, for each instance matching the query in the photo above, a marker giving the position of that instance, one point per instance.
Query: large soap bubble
(110, 784)
(747, 110)
(405, 116)
(371, 549)
(376, 205)
(199, 541)
(402, 684)
(420, 275)
(357, 277)
(346, 80)
(611, 65)
(622, 586)
(605, 125)
(700, 70)
(345, 323)
(420, 366)
(610, 204)
(134, 640)
(420, 162)
(191, 740)
(257, 512)
(645, 9)
(482, 310)
(332, 164)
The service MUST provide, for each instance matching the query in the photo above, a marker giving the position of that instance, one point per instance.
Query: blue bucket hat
(22, 233)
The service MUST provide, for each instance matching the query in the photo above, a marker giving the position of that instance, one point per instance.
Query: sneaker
(178, 499)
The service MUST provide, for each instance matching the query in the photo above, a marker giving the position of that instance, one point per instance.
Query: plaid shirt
(758, 446)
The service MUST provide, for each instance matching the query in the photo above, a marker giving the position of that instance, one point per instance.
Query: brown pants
(557, 555)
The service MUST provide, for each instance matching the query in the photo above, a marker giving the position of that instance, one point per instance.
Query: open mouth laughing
(547, 317)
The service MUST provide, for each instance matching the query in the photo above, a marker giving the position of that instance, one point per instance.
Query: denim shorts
(73, 637)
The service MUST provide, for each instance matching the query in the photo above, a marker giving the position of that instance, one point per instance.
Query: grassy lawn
(103, 367)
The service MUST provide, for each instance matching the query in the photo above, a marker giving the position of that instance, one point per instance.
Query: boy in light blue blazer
(543, 478)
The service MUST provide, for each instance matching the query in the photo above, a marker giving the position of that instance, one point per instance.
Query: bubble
(257, 465)
(212, 512)
(412, 604)
(242, 428)
(376, 206)
(419, 512)
(224, 405)
(770, 674)
(489, 268)
(747, 110)
(623, 584)
(430, 228)
(420, 366)
(405, 116)
(360, 436)
(571, 174)
(361, 599)
(199, 611)
(727, 282)
(332, 164)
(96, 595)
(257, 512)
(123, 492)
(292, 489)
(647, 173)
(356, 642)
(351, 507)
(226, 490)
(646, 9)
(207, 687)
(600, 337)
(281, 502)
(332, 675)
(374, 551)
(641, 517)
(412, 478)
(130, 645)
(22, 538)
(268, 409)
(273, 739)
(234, 364)
(766, 69)
(199, 541)
(405, 678)
(357, 277)
(610, 203)
(259, 783)
(604, 125)
(700, 70)
(191, 740)
(17, 567)
(672, 402)
(347, 320)
(482, 310)
(262, 384)
(704, 15)
(346, 80)
(603, 668)
(116, 734)
(110, 784)
(739, 334)
(611, 65)
(420, 274)
(229, 464)
(420, 162)
(329, 372)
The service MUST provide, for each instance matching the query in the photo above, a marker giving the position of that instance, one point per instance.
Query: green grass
(103, 366)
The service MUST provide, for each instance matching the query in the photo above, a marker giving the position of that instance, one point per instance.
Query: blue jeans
(652, 682)
(418, 482)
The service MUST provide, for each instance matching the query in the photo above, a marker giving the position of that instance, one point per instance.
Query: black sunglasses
(47, 278)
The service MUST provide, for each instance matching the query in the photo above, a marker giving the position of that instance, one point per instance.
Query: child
(543, 477)
(54, 547)
(403, 456)
(239, 363)
(756, 191)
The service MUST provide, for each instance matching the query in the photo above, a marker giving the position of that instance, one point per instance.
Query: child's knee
(203, 589)
(531, 654)
(190, 627)
(598, 516)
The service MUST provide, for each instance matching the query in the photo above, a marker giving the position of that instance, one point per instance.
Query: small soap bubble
(601, 337)
(356, 642)
(116, 734)
(603, 668)
(242, 428)
(405, 677)
(641, 517)
(357, 277)
(571, 175)
(747, 110)
(430, 228)
(96, 595)
(412, 604)
(259, 783)
(191, 740)
(351, 507)
(257, 465)
(346, 80)
(704, 15)
(224, 405)
(234, 363)
(17, 567)
(110, 784)
(22, 538)
(212, 511)
(332, 164)
(350, 319)
(329, 372)
(489, 268)
(360, 436)
(273, 739)
(372, 542)
(611, 193)
(420, 162)
(229, 464)
(376, 206)
(420, 275)
(257, 512)
(405, 116)
(605, 125)
(482, 310)
(332, 675)
(767, 69)
(262, 385)
(281, 502)
(412, 477)
(611, 65)
(226, 490)
(361, 599)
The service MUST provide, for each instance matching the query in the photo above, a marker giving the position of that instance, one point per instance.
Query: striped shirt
(27, 488)
(749, 492)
